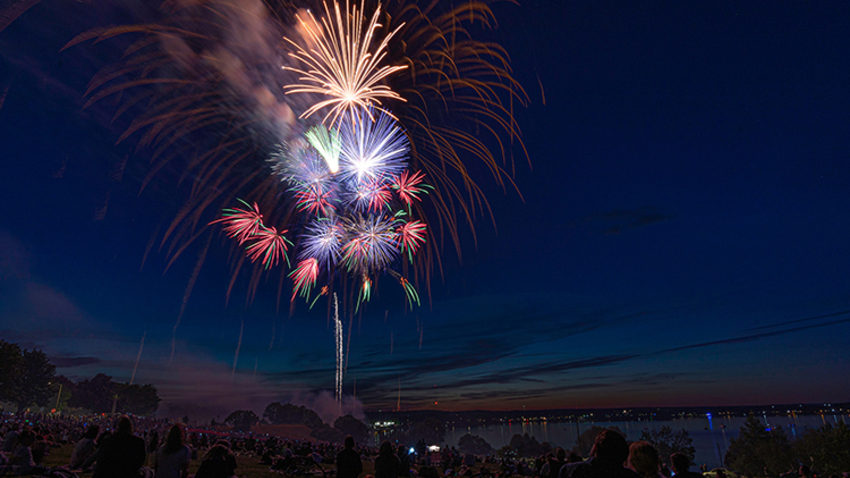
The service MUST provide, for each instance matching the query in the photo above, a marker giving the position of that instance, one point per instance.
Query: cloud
(49, 305)
(753, 337)
(70, 361)
(797, 321)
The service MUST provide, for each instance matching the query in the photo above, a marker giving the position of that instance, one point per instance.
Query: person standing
(348, 464)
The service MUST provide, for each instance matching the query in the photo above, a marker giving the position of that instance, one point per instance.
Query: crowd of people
(149, 448)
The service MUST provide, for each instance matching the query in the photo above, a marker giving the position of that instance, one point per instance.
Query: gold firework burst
(339, 64)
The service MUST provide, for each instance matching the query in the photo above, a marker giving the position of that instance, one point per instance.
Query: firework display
(331, 140)
(355, 195)
(348, 174)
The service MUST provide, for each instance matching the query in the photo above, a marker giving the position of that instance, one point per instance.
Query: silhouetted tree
(666, 442)
(25, 376)
(528, 446)
(11, 371)
(96, 394)
(38, 375)
(63, 388)
(348, 425)
(137, 399)
(289, 414)
(474, 444)
(826, 449)
(584, 442)
(759, 451)
(327, 433)
(242, 420)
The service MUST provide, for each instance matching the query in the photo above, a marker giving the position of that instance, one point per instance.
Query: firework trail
(339, 357)
(188, 292)
(138, 357)
(274, 329)
(12, 10)
(238, 346)
(4, 89)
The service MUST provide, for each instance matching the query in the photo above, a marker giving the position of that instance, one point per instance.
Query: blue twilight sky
(681, 237)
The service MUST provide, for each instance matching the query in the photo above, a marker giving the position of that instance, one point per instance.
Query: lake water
(710, 435)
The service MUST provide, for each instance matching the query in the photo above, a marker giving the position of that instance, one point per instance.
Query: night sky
(680, 238)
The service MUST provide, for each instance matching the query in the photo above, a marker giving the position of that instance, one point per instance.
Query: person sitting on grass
(84, 448)
(122, 455)
(21, 462)
(219, 462)
(172, 459)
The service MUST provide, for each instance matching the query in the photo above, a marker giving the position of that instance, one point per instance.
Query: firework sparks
(314, 200)
(241, 224)
(323, 241)
(373, 196)
(328, 145)
(270, 245)
(407, 186)
(373, 150)
(410, 236)
(304, 277)
(373, 244)
(340, 66)
(365, 292)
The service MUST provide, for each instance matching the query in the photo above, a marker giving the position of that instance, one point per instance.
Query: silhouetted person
(403, 462)
(681, 463)
(21, 461)
(607, 456)
(122, 454)
(84, 448)
(557, 462)
(172, 458)
(386, 465)
(219, 462)
(348, 464)
(643, 459)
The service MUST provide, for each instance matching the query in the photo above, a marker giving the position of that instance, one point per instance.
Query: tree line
(277, 413)
(762, 451)
(28, 379)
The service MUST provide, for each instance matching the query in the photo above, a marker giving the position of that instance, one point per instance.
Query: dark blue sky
(681, 238)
